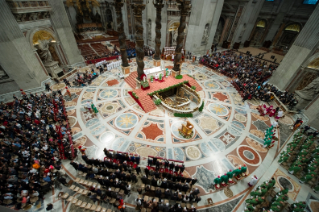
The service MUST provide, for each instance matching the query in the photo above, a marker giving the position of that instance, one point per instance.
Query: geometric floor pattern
(227, 134)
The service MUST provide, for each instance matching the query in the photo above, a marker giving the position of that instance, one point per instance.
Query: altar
(156, 70)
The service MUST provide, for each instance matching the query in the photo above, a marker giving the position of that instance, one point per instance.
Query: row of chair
(84, 205)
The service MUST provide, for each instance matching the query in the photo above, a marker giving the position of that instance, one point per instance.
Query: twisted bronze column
(159, 5)
(138, 7)
(118, 4)
(184, 7)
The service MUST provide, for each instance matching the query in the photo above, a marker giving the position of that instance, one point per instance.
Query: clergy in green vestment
(294, 169)
(230, 174)
(306, 178)
(217, 180)
(224, 178)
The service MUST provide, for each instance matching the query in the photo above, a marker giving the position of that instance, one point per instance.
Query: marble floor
(228, 133)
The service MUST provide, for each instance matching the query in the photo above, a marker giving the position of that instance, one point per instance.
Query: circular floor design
(249, 155)
(121, 123)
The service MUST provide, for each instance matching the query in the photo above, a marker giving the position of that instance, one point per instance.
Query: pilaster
(301, 49)
(64, 31)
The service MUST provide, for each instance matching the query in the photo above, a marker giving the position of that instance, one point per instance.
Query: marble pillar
(63, 29)
(301, 49)
(158, 5)
(203, 12)
(138, 7)
(254, 8)
(184, 10)
(164, 27)
(118, 4)
(284, 7)
(17, 57)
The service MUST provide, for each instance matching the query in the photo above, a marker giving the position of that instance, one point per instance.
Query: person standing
(253, 181)
(94, 108)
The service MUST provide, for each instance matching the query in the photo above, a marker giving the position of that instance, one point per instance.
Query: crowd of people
(250, 75)
(148, 51)
(86, 78)
(34, 135)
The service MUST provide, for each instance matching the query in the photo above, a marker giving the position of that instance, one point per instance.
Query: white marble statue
(175, 34)
(45, 54)
(156, 76)
(149, 29)
(144, 79)
(205, 35)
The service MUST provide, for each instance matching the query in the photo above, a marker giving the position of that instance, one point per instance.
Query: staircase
(130, 80)
(193, 82)
(147, 103)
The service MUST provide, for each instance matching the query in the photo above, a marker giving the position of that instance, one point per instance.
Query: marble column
(118, 4)
(302, 48)
(184, 10)
(63, 29)
(204, 12)
(226, 25)
(254, 8)
(281, 11)
(138, 7)
(17, 57)
(164, 27)
(158, 5)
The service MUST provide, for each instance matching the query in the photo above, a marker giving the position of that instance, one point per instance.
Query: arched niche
(109, 19)
(307, 73)
(172, 33)
(259, 31)
(40, 33)
(289, 35)
(43, 33)
(219, 31)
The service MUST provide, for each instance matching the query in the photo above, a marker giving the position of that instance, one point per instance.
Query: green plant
(183, 115)
(201, 107)
(160, 77)
(152, 78)
(179, 77)
(193, 87)
(134, 95)
(157, 101)
(144, 84)
(168, 88)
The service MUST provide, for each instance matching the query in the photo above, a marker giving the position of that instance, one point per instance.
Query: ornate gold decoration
(228, 193)
(314, 64)
(293, 27)
(261, 23)
(307, 79)
(41, 35)
(174, 26)
(70, 3)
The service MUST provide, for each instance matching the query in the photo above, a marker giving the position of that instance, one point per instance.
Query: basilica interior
(159, 105)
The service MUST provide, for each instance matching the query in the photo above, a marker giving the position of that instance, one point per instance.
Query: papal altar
(156, 71)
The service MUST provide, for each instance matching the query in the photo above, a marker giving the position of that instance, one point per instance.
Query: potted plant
(152, 78)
